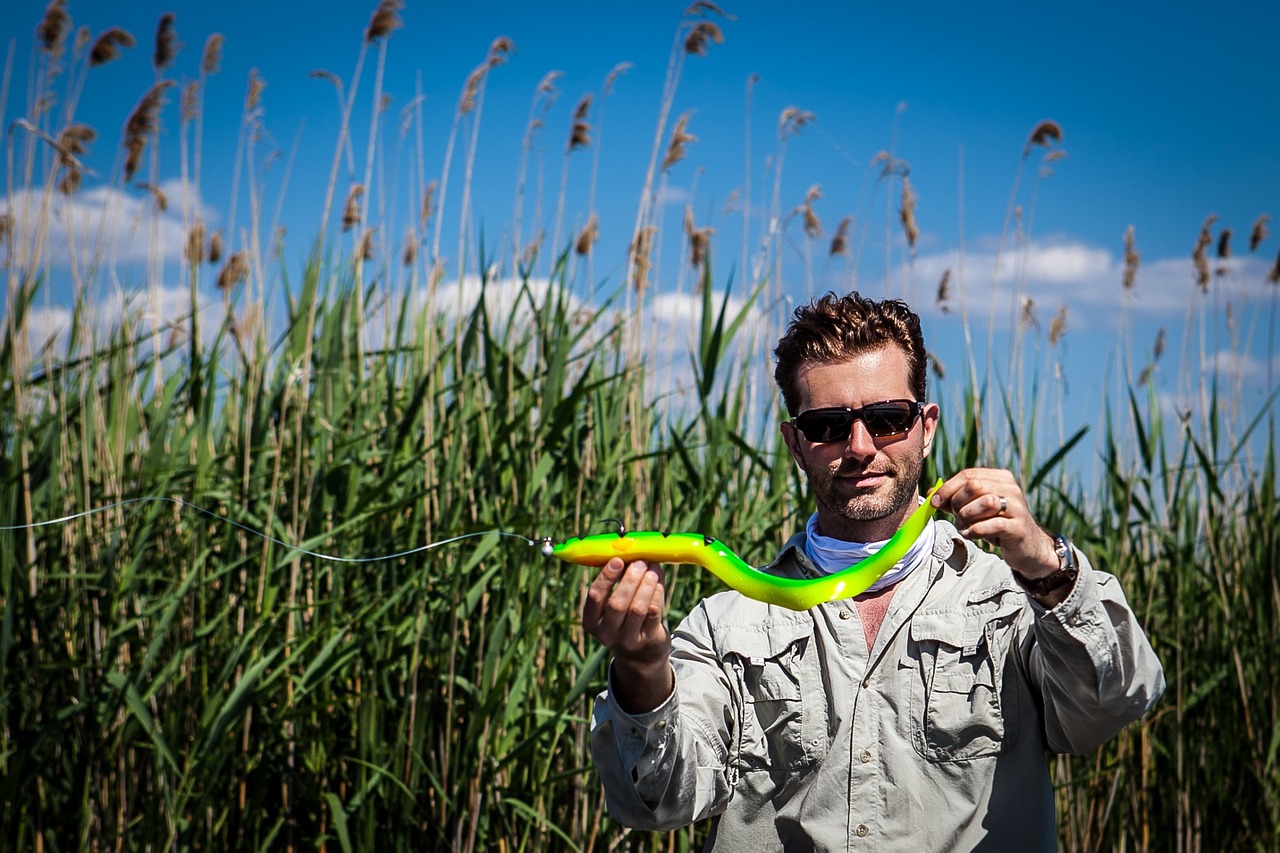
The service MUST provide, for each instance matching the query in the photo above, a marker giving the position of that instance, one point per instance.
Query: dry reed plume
(840, 240)
(587, 236)
(253, 90)
(701, 36)
(791, 119)
(500, 50)
(367, 244)
(1043, 134)
(211, 57)
(812, 224)
(1224, 244)
(52, 28)
(234, 271)
(908, 214)
(935, 364)
(142, 123)
(1274, 275)
(699, 239)
(157, 195)
(1058, 325)
(944, 292)
(410, 248)
(166, 42)
(1199, 254)
(384, 20)
(215, 247)
(641, 246)
(193, 251)
(679, 139)
(351, 209)
(107, 45)
(579, 135)
(1258, 232)
(428, 205)
(1131, 260)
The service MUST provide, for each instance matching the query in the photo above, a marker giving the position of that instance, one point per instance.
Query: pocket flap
(951, 629)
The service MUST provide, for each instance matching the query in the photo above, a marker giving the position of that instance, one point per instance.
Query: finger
(618, 605)
(644, 613)
(599, 591)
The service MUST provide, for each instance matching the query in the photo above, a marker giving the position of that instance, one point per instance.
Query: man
(913, 717)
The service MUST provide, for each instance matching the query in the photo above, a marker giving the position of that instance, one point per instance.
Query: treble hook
(622, 528)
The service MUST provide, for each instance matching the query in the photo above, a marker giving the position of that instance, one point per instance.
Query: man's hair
(831, 329)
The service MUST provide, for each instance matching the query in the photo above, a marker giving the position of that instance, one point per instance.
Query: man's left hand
(988, 504)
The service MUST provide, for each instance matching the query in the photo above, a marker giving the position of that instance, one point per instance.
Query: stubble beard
(869, 504)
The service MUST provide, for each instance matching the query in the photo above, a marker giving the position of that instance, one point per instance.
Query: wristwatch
(1067, 571)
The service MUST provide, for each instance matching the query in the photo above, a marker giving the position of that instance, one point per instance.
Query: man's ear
(792, 439)
(929, 421)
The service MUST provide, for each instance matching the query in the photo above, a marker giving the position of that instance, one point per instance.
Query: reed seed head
(701, 7)
(587, 236)
(52, 28)
(580, 134)
(701, 36)
(211, 58)
(944, 291)
(367, 244)
(1224, 244)
(791, 119)
(142, 123)
(166, 41)
(1259, 231)
(428, 205)
(157, 195)
(1027, 318)
(812, 224)
(679, 139)
(234, 271)
(410, 248)
(500, 50)
(1058, 325)
(384, 20)
(1044, 134)
(1274, 275)
(215, 247)
(840, 240)
(699, 240)
(253, 91)
(641, 246)
(935, 364)
(471, 89)
(1157, 349)
(351, 210)
(1199, 256)
(1131, 260)
(908, 214)
(614, 73)
(107, 45)
(193, 251)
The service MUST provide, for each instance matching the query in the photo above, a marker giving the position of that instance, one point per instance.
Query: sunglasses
(884, 419)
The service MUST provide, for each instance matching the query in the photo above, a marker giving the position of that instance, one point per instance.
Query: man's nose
(861, 443)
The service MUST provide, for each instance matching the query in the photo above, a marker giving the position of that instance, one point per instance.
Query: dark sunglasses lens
(888, 418)
(825, 426)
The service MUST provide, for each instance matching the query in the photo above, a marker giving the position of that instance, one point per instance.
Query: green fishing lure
(713, 555)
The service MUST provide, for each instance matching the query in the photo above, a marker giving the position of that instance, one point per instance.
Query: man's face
(865, 487)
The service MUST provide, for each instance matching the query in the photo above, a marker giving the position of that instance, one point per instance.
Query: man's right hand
(626, 611)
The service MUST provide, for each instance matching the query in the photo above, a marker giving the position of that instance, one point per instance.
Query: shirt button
(661, 724)
(862, 830)
(844, 614)
(864, 756)
(866, 682)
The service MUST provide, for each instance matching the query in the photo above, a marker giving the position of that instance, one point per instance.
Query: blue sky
(1168, 111)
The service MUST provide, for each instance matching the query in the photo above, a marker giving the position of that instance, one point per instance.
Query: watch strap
(1067, 571)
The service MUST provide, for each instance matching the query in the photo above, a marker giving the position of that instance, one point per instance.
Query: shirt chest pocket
(959, 707)
(775, 668)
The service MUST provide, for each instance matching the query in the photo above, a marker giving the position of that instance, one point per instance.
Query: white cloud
(166, 310)
(101, 223)
(1085, 278)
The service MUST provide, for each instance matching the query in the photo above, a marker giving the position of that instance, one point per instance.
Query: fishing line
(262, 534)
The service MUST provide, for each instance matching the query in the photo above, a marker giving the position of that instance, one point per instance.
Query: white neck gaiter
(832, 555)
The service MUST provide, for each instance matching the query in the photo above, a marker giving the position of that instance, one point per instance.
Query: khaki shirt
(786, 729)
